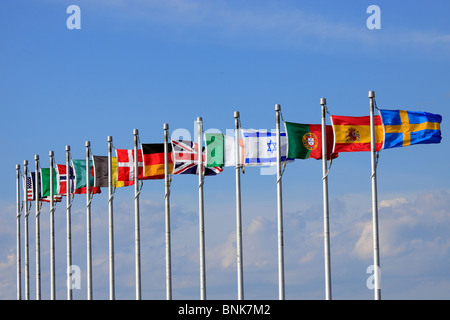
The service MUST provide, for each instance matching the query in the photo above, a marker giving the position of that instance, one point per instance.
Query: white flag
(260, 147)
(220, 150)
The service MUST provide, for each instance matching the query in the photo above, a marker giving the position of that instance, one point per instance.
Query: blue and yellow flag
(405, 128)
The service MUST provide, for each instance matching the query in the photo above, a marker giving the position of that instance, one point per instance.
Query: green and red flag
(305, 141)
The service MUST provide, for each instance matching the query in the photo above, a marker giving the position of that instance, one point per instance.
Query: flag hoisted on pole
(26, 213)
(326, 225)
(18, 254)
(38, 243)
(279, 208)
(111, 221)
(52, 229)
(201, 222)
(68, 224)
(136, 216)
(88, 221)
(239, 258)
(376, 253)
(167, 212)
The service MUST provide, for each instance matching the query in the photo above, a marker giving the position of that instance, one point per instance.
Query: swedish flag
(404, 128)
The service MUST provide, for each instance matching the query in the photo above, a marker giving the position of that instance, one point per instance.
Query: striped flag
(31, 191)
(352, 134)
(153, 157)
(260, 147)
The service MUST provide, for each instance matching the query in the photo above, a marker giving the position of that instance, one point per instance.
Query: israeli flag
(260, 147)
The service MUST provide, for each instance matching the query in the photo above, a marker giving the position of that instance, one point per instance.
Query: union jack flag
(185, 155)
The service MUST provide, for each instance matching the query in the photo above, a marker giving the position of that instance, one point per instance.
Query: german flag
(352, 134)
(153, 156)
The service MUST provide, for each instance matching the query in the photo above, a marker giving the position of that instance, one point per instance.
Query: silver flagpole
(19, 265)
(376, 253)
(27, 252)
(52, 231)
(326, 223)
(279, 209)
(136, 216)
(68, 225)
(240, 274)
(38, 236)
(167, 213)
(201, 222)
(88, 222)
(111, 221)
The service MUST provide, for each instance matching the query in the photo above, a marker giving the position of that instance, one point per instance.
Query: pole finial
(323, 101)
(87, 143)
(51, 153)
(17, 166)
(236, 114)
(135, 132)
(371, 94)
(109, 139)
(165, 126)
(25, 162)
(199, 119)
(36, 157)
(67, 148)
(277, 107)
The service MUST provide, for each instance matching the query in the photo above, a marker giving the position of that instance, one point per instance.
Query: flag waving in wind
(185, 155)
(405, 128)
(260, 147)
(352, 134)
(61, 170)
(220, 150)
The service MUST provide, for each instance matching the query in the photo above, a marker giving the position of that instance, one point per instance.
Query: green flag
(79, 167)
(45, 182)
(214, 150)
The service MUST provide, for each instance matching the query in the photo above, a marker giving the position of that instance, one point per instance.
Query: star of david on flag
(260, 147)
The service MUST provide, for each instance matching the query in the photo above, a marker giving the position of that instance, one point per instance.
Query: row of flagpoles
(201, 172)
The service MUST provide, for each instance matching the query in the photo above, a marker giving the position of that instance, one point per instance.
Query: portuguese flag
(305, 141)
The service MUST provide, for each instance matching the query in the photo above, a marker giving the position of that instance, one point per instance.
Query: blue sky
(139, 64)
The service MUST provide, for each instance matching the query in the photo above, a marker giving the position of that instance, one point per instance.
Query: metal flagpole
(167, 213)
(326, 225)
(111, 221)
(19, 265)
(27, 255)
(38, 236)
(240, 275)
(376, 253)
(136, 216)
(68, 225)
(52, 231)
(88, 221)
(279, 209)
(201, 222)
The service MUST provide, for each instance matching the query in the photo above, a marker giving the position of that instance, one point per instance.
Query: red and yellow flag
(352, 134)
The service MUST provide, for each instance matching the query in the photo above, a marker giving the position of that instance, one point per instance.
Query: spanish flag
(352, 134)
(153, 157)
